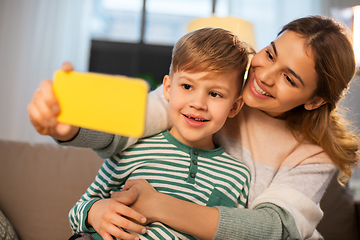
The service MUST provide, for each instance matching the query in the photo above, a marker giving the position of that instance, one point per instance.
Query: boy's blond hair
(213, 50)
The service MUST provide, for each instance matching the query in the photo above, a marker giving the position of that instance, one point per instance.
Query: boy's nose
(198, 101)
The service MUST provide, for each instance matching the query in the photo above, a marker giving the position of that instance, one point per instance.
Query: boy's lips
(195, 121)
(196, 118)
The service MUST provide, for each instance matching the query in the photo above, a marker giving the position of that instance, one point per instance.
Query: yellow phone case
(107, 103)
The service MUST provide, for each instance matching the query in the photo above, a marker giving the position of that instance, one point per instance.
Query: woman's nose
(267, 76)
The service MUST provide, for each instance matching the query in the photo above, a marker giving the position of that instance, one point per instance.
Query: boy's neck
(204, 143)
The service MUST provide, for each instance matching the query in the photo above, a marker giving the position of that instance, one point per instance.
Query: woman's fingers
(49, 97)
(126, 197)
(67, 67)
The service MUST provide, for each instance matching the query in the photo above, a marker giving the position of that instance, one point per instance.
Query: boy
(203, 90)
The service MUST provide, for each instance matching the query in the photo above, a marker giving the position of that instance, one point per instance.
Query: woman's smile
(260, 90)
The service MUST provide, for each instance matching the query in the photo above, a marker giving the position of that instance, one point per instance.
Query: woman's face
(282, 76)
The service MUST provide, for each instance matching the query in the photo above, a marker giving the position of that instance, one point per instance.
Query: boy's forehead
(207, 75)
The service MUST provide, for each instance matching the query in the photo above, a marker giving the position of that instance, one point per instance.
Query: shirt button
(196, 152)
(194, 162)
(192, 175)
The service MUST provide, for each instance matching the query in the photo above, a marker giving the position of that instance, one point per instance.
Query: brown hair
(212, 50)
(335, 67)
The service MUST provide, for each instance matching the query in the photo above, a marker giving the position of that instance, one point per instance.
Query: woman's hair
(213, 50)
(335, 67)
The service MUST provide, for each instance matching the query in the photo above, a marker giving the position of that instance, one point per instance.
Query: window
(118, 20)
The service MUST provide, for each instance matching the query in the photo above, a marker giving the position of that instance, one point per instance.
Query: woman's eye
(214, 94)
(186, 86)
(290, 80)
(269, 55)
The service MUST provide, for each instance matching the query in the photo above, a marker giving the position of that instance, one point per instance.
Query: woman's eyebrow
(287, 68)
(274, 47)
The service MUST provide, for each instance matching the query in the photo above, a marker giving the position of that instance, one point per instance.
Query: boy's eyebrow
(287, 68)
(186, 77)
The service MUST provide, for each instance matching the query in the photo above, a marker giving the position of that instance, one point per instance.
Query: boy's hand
(148, 201)
(108, 216)
(44, 108)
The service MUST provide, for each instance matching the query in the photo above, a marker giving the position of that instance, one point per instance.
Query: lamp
(240, 27)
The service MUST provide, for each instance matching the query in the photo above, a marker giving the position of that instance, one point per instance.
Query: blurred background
(130, 37)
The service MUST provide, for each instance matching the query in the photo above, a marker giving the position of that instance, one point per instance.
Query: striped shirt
(205, 177)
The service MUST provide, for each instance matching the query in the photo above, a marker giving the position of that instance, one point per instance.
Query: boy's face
(200, 104)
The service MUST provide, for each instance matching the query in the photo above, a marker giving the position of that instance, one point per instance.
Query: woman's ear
(166, 87)
(314, 103)
(238, 104)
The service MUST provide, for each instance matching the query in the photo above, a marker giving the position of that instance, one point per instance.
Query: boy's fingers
(130, 213)
(127, 224)
(67, 67)
(118, 232)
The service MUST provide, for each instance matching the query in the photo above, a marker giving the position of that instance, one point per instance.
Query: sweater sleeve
(285, 210)
(104, 184)
(107, 145)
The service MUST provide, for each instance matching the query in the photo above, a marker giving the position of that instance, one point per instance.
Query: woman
(288, 134)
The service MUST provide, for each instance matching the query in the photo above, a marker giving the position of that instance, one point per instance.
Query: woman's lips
(258, 91)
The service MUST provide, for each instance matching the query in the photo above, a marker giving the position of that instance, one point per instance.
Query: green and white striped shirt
(205, 177)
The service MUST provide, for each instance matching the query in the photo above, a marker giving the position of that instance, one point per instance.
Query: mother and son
(219, 159)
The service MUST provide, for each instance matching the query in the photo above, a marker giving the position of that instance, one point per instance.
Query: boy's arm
(96, 212)
(107, 145)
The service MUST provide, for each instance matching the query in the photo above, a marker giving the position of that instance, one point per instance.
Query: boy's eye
(215, 94)
(186, 86)
(269, 55)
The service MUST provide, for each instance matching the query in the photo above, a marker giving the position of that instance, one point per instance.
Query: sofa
(40, 183)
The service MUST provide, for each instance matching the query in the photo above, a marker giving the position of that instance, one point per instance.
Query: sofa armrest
(40, 183)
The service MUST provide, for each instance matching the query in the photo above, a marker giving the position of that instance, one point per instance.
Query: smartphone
(102, 102)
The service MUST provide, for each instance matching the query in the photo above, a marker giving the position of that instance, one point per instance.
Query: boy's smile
(199, 104)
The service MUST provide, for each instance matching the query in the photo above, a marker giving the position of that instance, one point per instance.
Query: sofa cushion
(340, 213)
(7, 231)
(39, 185)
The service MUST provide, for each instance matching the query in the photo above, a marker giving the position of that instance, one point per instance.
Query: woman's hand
(147, 202)
(108, 216)
(44, 108)
(186, 217)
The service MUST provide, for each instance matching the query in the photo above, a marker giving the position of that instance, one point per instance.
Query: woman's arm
(287, 209)
(264, 222)
(106, 145)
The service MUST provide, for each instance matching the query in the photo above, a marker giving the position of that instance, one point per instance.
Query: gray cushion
(7, 231)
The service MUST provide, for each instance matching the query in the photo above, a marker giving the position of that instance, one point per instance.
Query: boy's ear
(314, 103)
(166, 87)
(238, 104)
